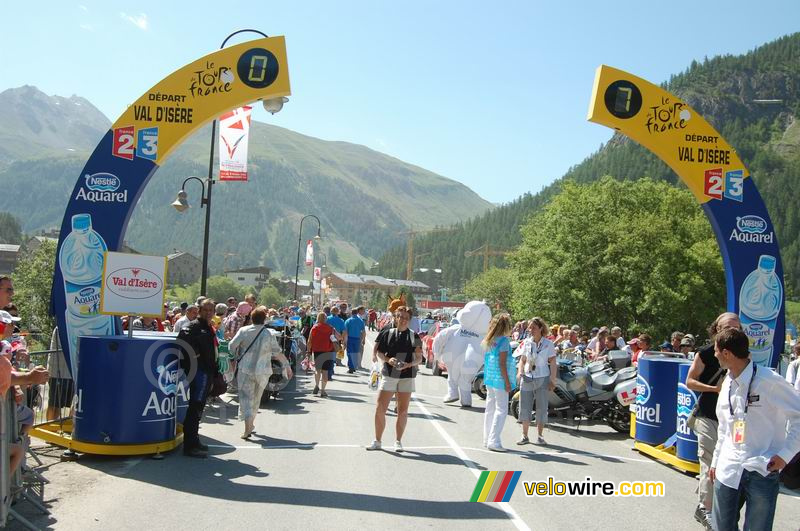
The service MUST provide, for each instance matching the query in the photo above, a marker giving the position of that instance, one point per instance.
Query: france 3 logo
(729, 186)
(128, 143)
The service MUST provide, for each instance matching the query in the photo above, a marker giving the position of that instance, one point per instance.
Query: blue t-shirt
(355, 327)
(492, 376)
(336, 322)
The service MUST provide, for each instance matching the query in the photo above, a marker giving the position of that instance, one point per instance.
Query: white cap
(7, 318)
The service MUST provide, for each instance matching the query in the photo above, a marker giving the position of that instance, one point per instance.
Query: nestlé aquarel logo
(134, 283)
(642, 390)
(752, 229)
(102, 187)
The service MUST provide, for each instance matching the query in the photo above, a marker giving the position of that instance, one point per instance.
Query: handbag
(691, 420)
(218, 385)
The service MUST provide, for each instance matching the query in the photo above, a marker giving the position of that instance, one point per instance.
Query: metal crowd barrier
(5, 438)
(54, 398)
(15, 486)
(27, 486)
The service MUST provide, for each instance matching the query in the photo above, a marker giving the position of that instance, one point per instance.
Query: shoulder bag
(691, 420)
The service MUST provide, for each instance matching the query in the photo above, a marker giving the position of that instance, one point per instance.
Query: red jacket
(320, 340)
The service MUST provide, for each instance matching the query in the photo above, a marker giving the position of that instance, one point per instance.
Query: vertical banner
(234, 128)
(310, 253)
(317, 274)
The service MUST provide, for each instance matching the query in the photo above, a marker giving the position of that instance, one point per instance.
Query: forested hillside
(730, 92)
(45, 141)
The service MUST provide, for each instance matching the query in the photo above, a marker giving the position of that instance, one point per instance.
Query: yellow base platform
(666, 455)
(60, 433)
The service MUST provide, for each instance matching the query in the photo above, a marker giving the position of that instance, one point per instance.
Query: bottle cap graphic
(767, 263)
(81, 222)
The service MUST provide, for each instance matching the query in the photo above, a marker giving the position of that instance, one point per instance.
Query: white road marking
(518, 522)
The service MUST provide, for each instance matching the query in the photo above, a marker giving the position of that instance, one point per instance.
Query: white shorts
(396, 385)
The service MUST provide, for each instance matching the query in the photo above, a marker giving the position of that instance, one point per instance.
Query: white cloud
(83, 7)
(87, 27)
(140, 20)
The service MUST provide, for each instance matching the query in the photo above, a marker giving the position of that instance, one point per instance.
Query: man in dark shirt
(705, 377)
(400, 350)
(199, 354)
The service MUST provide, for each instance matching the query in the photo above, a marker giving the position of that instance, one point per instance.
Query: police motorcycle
(601, 390)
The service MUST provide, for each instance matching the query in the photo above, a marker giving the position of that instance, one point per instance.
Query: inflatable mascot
(459, 348)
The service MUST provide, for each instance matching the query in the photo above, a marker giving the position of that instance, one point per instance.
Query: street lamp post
(272, 105)
(182, 204)
(299, 242)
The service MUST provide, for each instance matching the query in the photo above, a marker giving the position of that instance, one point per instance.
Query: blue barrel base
(656, 398)
(127, 390)
(686, 445)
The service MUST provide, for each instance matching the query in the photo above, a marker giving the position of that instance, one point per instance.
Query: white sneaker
(497, 449)
(449, 400)
(398, 446)
(376, 445)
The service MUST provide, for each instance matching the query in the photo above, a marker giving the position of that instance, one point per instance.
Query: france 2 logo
(127, 143)
(730, 187)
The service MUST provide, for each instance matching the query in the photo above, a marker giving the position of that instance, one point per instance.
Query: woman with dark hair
(537, 374)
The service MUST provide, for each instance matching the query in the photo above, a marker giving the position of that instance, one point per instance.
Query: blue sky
(491, 94)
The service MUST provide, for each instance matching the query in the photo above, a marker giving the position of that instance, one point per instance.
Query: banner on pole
(310, 253)
(234, 128)
(317, 274)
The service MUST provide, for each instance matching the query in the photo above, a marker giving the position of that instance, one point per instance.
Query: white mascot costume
(459, 348)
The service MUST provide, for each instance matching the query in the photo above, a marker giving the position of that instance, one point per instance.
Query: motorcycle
(601, 390)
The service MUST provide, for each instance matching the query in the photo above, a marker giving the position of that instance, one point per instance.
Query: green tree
(33, 280)
(378, 300)
(634, 254)
(10, 230)
(411, 302)
(358, 300)
(218, 287)
(333, 257)
(269, 296)
(495, 286)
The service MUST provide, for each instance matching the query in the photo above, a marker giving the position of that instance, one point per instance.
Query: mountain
(33, 124)
(363, 198)
(753, 100)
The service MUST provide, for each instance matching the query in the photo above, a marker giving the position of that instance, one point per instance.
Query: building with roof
(345, 286)
(183, 268)
(256, 277)
(9, 254)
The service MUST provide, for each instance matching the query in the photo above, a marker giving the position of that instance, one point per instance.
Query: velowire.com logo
(495, 486)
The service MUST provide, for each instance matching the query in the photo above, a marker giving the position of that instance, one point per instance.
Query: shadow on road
(439, 459)
(213, 478)
(575, 431)
(567, 451)
(279, 444)
(550, 458)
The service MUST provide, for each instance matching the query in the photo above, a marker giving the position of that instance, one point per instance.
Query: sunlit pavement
(306, 465)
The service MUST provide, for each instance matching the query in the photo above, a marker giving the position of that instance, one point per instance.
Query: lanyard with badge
(738, 425)
(535, 355)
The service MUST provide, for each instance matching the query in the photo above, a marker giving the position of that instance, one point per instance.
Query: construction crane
(410, 247)
(486, 250)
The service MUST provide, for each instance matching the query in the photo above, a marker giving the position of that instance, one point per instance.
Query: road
(307, 466)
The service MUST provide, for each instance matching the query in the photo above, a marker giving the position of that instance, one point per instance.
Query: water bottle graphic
(81, 259)
(760, 300)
